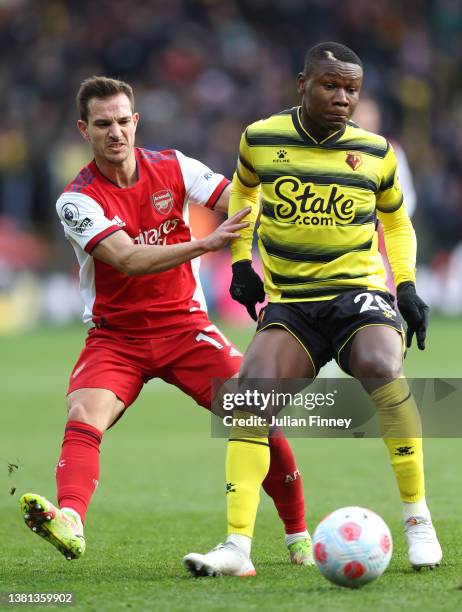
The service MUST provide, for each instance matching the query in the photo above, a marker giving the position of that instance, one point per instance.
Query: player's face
(330, 94)
(110, 128)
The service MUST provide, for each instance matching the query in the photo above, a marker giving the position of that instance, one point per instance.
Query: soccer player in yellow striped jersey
(320, 204)
(324, 184)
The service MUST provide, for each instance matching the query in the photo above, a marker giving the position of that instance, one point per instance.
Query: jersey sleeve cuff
(101, 236)
(217, 193)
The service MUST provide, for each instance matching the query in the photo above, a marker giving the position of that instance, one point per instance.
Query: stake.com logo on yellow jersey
(303, 205)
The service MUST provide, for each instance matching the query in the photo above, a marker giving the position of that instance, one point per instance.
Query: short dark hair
(101, 87)
(322, 51)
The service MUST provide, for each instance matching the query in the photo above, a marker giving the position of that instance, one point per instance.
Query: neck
(123, 175)
(318, 132)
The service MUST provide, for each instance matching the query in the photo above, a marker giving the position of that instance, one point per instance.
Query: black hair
(325, 51)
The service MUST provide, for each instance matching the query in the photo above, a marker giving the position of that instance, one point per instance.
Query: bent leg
(90, 413)
(376, 360)
(273, 354)
(106, 379)
(210, 355)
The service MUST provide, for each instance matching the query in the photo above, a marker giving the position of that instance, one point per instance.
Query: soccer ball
(352, 546)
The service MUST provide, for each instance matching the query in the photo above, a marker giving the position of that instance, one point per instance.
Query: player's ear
(136, 118)
(301, 78)
(82, 126)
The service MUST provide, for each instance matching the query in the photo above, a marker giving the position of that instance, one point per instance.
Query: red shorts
(189, 360)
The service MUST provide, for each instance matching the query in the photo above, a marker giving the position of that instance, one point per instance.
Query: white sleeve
(83, 220)
(203, 186)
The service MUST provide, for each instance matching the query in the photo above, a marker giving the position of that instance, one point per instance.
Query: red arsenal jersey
(153, 211)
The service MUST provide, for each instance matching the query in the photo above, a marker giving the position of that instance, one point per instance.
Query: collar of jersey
(110, 183)
(297, 121)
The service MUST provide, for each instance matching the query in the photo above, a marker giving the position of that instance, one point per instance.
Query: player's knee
(378, 366)
(78, 410)
(250, 372)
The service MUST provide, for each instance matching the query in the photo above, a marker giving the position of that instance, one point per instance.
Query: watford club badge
(354, 160)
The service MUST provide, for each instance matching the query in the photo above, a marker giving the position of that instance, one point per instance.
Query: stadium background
(201, 72)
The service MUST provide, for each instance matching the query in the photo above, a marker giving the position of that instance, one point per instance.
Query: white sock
(243, 542)
(295, 537)
(418, 508)
(75, 514)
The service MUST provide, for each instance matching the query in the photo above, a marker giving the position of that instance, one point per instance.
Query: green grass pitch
(161, 496)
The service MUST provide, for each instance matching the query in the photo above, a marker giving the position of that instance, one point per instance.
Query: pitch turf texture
(161, 496)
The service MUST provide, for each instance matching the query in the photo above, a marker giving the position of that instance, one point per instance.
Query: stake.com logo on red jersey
(157, 235)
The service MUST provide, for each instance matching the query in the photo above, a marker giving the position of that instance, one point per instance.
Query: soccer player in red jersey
(126, 216)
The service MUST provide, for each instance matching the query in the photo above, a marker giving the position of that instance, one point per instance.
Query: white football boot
(424, 550)
(224, 560)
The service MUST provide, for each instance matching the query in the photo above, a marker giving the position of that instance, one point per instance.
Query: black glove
(247, 287)
(415, 313)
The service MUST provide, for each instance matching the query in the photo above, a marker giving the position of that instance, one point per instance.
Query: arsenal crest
(162, 201)
(354, 160)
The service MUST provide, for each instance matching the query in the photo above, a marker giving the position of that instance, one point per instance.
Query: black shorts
(325, 328)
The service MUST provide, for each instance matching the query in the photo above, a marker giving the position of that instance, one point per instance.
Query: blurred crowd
(202, 70)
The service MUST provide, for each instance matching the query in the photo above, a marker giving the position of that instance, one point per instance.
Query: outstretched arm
(119, 251)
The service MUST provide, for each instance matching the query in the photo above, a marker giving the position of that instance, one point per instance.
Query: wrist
(241, 264)
(201, 245)
(405, 286)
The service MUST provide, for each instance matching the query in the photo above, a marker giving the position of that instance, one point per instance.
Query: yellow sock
(401, 429)
(247, 463)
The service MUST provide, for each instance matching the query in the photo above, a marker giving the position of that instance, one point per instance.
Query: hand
(227, 231)
(415, 313)
(247, 287)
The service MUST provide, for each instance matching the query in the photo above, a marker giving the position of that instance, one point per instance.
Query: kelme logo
(281, 157)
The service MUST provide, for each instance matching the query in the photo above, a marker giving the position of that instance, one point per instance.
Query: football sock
(418, 508)
(74, 514)
(296, 537)
(401, 429)
(247, 463)
(77, 472)
(283, 483)
(244, 543)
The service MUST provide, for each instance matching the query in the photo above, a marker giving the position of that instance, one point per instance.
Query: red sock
(283, 483)
(77, 472)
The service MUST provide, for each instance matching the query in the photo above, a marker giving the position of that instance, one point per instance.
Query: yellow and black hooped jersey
(320, 202)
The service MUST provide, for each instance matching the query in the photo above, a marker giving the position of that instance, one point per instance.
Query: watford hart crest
(354, 160)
